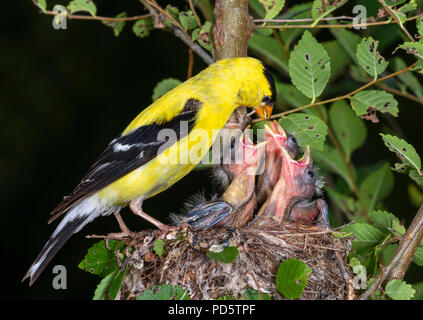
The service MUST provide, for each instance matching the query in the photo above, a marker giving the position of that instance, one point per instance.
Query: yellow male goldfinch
(160, 146)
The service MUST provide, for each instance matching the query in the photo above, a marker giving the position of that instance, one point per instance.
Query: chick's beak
(264, 111)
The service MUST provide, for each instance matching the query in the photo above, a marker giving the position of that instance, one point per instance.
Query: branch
(319, 26)
(233, 28)
(345, 96)
(197, 18)
(389, 10)
(82, 17)
(158, 13)
(405, 252)
(301, 20)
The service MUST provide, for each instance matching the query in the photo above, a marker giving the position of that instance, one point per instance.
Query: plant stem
(320, 26)
(392, 14)
(178, 30)
(345, 96)
(197, 18)
(406, 249)
(232, 29)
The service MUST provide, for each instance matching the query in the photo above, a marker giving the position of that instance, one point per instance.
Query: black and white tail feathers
(74, 220)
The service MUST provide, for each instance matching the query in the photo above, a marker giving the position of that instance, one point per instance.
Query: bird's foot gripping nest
(185, 262)
(268, 222)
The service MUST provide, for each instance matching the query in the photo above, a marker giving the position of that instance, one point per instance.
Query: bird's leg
(125, 232)
(136, 207)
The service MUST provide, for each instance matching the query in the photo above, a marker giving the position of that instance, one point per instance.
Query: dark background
(64, 95)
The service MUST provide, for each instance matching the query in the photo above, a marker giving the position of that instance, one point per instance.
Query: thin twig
(389, 10)
(345, 96)
(406, 249)
(197, 18)
(400, 93)
(320, 26)
(178, 30)
(81, 17)
(301, 20)
(86, 17)
(190, 63)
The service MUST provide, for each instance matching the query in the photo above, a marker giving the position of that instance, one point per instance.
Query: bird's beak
(264, 111)
(305, 160)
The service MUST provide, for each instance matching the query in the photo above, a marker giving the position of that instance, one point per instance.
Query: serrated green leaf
(394, 2)
(413, 174)
(408, 7)
(366, 100)
(376, 187)
(117, 26)
(251, 294)
(100, 260)
(415, 48)
(354, 262)
(398, 227)
(164, 292)
(367, 236)
(369, 57)
(272, 7)
(387, 253)
(228, 255)
(164, 86)
(205, 36)
(268, 49)
(291, 278)
(321, 8)
(187, 20)
(103, 288)
(350, 130)
(42, 4)
(403, 150)
(142, 27)
(419, 25)
(309, 66)
(330, 160)
(400, 16)
(159, 247)
(408, 78)
(418, 257)
(308, 129)
(399, 290)
(382, 219)
(82, 5)
(117, 283)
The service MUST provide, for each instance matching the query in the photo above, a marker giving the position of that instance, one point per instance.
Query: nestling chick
(222, 174)
(276, 137)
(297, 182)
(307, 212)
(236, 206)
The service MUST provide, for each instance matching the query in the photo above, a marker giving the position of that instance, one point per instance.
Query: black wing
(127, 153)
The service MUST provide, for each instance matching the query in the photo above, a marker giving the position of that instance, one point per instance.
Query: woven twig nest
(261, 250)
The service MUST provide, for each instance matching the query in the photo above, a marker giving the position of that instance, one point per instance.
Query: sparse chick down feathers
(138, 164)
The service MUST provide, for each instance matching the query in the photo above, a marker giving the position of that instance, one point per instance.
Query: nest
(261, 250)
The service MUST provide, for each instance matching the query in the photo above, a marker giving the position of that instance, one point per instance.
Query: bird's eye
(294, 140)
(266, 99)
(310, 173)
